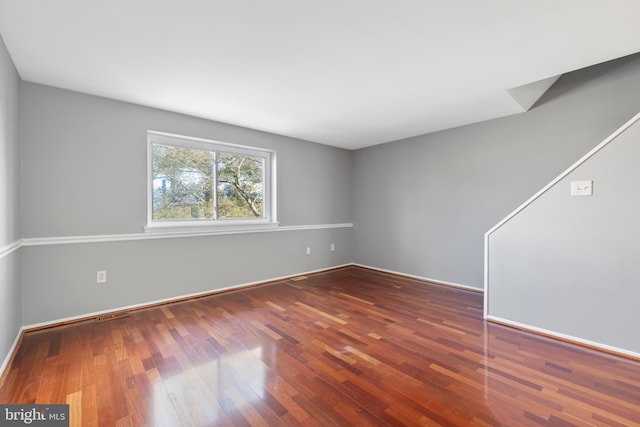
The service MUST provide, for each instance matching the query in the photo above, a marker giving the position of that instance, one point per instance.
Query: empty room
(336, 213)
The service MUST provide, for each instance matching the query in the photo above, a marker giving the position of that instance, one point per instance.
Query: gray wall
(570, 264)
(10, 292)
(422, 205)
(84, 161)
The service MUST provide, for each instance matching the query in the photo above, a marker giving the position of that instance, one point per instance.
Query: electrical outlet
(333, 247)
(101, 277)
(309, 250)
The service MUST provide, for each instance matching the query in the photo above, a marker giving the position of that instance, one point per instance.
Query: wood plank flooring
(345, 347)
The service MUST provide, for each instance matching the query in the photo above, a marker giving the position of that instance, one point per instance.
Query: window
(199, 182)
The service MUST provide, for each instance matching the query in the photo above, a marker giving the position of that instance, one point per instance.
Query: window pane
(240, 186)
(182, 183)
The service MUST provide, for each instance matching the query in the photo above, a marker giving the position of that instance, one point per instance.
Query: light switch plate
(581, 188)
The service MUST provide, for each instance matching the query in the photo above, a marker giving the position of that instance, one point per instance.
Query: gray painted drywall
(570, 264)
(84, 161)
(422, 205)
(60, 280)
(9, 149)
(84, 174)
(10, 291)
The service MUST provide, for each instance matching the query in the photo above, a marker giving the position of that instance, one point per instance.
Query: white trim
(10, 353)
(170, 139)
(178, 298)
(10, 248)
(219, 227)
(172, 234)
(561, 336)
(485, 307)
(566, 172)
(520, 208)
(426, 279)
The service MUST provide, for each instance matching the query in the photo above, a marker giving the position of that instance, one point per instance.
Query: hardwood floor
(346, 347)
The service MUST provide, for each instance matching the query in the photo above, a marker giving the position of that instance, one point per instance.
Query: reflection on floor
(345, 347)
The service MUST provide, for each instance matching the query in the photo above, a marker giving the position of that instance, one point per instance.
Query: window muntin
(195, 181)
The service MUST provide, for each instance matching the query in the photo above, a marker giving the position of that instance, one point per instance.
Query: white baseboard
(426, 279)
(10, 355)
(564, 337)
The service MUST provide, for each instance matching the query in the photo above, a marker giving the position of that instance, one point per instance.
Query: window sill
(190, 229)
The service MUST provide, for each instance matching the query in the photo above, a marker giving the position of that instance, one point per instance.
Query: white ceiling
(349, 73)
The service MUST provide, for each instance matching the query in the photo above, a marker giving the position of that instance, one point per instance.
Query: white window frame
(268, 219)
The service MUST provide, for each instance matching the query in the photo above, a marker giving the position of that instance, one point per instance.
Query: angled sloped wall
(570, 265)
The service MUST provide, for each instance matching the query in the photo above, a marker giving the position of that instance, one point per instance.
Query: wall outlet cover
(101, 277)
(581, 188)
